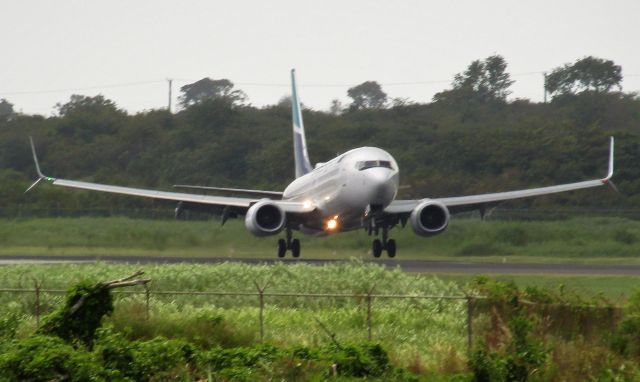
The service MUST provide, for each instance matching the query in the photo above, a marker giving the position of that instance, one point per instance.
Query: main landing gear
(388, 245)
(293, 245)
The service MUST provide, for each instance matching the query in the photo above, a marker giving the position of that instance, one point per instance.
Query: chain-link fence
(370, 315)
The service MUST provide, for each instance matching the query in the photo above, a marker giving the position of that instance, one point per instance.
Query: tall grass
(405, 327)
(573, 238)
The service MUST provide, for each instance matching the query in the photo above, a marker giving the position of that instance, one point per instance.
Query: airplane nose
(383, 185)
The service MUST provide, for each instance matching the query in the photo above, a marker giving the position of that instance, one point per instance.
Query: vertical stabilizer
(303, 165)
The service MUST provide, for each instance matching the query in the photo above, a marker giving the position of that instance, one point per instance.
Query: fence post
(147, 296)
(37, 303)
(469, 322)
(261, 297)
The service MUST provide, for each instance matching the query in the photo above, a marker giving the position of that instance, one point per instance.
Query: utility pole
(170, 82)
(545, 86)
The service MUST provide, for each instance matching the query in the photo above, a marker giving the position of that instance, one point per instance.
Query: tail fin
(303, 165)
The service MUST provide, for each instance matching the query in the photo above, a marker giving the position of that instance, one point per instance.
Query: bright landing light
(332, 224)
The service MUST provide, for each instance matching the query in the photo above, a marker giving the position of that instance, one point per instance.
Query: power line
(256, 84)
(121, 85)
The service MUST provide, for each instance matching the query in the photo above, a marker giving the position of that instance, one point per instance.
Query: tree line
(469, 139)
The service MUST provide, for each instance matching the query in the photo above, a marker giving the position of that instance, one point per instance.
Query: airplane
(355, 190)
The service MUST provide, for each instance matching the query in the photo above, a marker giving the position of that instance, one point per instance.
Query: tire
(391, 248)
(376, 248)
(295, 248)
(282, 248)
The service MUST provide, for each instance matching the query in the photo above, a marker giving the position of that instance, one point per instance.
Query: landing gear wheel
(391, 248)
(295, 248)
(376, 248)
(282, 247)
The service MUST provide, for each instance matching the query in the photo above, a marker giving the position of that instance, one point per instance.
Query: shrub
(626, 339)
(159, 356)
(9, 322)
(79, 325)
(359, 361)
(514, 361)
(46, 358)
(219, 359)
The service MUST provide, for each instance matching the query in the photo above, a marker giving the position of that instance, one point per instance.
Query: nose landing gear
(289, 244)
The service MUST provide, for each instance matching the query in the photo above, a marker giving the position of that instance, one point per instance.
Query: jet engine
(429, 218)
(264, 218)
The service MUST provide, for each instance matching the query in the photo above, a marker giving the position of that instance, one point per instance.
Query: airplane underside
(373, 225)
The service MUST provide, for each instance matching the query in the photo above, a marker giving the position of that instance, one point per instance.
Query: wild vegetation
(518, 333)
(222, 332)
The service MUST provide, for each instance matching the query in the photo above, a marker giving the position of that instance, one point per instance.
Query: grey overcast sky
(52, 49)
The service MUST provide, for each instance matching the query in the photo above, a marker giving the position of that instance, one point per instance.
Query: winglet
(610, 170)
(35, 160)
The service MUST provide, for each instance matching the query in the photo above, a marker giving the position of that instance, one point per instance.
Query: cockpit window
(373, 163)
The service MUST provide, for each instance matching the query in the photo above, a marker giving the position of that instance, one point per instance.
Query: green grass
(424, 334)
(584, 240)
(405, 327)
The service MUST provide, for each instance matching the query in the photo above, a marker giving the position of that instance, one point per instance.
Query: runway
(419, 266)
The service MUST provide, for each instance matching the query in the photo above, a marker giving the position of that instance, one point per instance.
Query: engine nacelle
(265, 218)
(429, 218)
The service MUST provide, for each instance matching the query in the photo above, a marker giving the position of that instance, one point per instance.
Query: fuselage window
(373, 163)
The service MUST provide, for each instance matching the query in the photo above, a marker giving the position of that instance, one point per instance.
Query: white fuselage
(345, 187)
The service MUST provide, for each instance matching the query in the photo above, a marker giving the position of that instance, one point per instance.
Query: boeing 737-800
(355, 190)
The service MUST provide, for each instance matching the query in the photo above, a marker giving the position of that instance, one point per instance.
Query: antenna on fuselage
(301, 157)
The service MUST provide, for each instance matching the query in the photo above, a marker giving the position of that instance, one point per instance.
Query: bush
(46, 358)
(159, 356)
(514, 361)
(359, 361)
(79, 326)
(626, 340)
(143, 360)
(9, 322)
(368, 360)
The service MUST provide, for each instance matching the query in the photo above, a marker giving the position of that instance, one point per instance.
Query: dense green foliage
(516, 333)
(119, 353)
(231, 321)
(77, 324)
(537, 334)
(443, 148)
(43, 358)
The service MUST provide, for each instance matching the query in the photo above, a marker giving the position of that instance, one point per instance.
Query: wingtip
(35, 160)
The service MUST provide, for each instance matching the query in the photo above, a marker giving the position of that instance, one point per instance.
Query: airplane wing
(205, 200)
(470, 202)
(266, 194)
